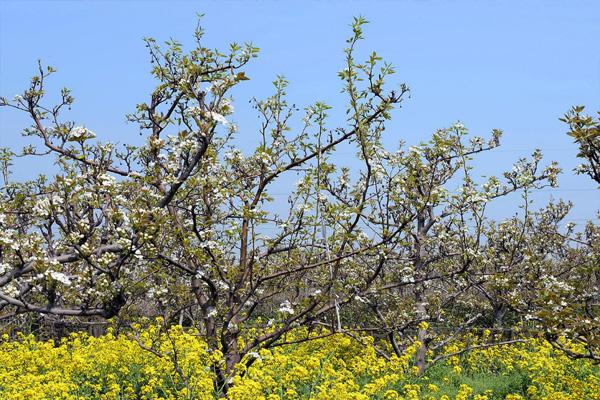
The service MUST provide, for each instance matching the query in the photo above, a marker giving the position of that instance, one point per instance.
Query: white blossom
(415, 150)
(80, 133)
(154, 292)
(60, 277)
(344, 180)
(107, 181)
(212, 312)
(11, 289)
(357, 297)
(138, 254)
(217, 117)
(264, 157)
(227, 106)
(286, 308)
(477, 141)
(3, 268)
(255, 355)
(233, 155)
(304, 207)
(458, 125)
(41, 208)
(195, 110)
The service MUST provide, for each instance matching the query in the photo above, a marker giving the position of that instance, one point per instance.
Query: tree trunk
(420, 254)
(421, 334)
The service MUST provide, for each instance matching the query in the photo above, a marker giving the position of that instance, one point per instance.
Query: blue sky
(513, 65)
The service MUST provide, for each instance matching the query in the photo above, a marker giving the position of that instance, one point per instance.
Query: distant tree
(435, 263)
